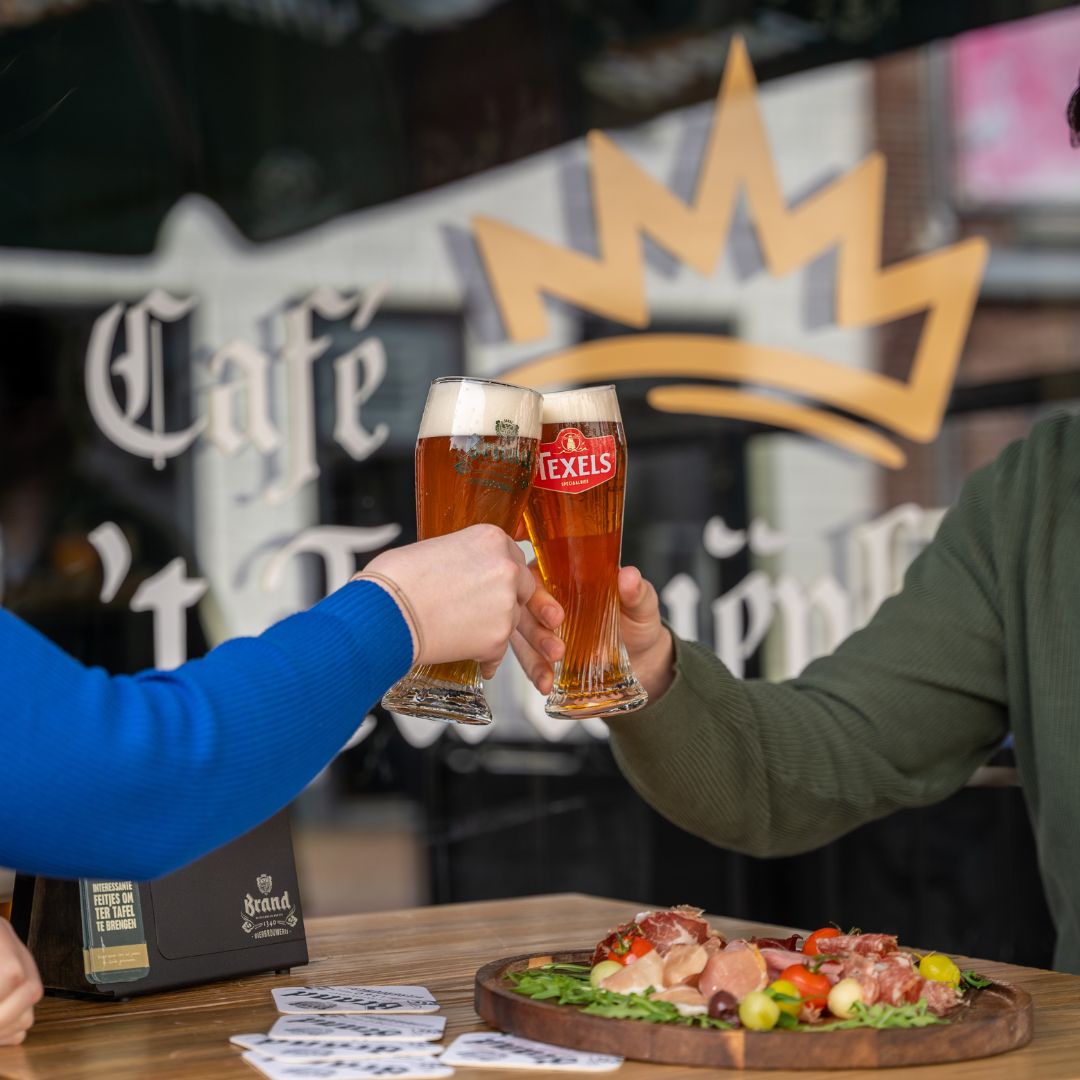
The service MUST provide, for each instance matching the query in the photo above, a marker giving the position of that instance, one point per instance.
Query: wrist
(655, 666)
(407, 613)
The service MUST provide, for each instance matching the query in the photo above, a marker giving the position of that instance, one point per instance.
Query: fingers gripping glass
(475, 457)
(574, 517)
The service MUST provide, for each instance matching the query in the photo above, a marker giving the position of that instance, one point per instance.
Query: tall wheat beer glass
(574, 518)
(475, 457)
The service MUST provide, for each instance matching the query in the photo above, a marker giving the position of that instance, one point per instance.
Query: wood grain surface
(995, 1020)
(185, 1034)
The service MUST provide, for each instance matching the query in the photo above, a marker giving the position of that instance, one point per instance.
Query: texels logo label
(574, 463)
(266, 915)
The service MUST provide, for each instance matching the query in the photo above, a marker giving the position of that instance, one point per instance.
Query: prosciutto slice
(736, 970)
(776, 960)
(677, 926)
(636, 978)
(684, 963)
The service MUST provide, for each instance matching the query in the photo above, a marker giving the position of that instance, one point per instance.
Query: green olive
(758, 1011)
(843, 998)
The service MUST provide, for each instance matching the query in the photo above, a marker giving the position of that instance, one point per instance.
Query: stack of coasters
(355, 1032)
(347, 1032)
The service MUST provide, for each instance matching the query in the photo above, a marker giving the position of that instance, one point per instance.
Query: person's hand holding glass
(475, 457)
(574, 519)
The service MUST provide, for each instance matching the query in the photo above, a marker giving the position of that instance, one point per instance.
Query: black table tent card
(234, 912)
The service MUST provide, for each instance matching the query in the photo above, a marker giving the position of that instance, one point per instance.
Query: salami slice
(864, 944)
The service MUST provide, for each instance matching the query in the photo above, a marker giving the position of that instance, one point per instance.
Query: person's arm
(900, 715)
(133, 776)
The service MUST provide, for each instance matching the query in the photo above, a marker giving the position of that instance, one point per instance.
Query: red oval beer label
(574, 463)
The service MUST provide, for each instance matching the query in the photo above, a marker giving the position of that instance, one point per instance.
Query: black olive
(723, 1006)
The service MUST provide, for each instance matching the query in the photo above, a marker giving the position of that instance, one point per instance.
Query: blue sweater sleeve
(134, 776)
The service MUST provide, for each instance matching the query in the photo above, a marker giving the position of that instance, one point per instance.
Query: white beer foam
(472, 407)
(594, 403)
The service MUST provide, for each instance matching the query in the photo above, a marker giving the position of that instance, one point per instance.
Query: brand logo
(266, 915)
(504, 463)
(574, 463)
(845, 215)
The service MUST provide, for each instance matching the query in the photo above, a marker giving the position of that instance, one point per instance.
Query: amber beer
(475, 457)
(574, 517)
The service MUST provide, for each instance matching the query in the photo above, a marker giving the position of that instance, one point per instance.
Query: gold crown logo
(846, 216)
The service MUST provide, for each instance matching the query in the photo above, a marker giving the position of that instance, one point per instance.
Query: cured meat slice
(778, 959)
(686, 999)
(791, 943)
(677, 926)
(714, 943)
(859, 968)
(897, 986)
(636, 978)
(864, 944)
(940, 997)
(738, 971)
(684, 963)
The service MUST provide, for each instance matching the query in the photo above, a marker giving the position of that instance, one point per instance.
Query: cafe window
(313, 240)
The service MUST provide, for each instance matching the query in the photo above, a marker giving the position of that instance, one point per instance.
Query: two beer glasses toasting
(489, 452)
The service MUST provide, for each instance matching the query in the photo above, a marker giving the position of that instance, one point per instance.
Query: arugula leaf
(971, 980)
(881, 1016)
(568, 984)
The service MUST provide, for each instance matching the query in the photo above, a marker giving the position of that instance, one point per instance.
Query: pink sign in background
(1010, 86)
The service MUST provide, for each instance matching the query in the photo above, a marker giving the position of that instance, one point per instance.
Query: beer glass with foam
(475, 457)
(574, 517)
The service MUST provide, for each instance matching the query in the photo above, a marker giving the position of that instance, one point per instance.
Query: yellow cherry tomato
(788, 989)
(758, 1011)
(939, 968)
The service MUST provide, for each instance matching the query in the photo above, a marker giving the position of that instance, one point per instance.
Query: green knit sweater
(983, 639)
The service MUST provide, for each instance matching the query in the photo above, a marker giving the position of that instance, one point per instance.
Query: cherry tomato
(813, 989)
(810, 946)
(639, 947)
(627, 949)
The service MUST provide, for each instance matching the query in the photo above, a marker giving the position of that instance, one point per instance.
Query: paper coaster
(368, 1028)
(333, 1049)
(493, 1050)
(421, 1068)
(302, 1000)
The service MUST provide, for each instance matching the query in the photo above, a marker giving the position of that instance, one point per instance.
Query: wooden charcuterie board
(996, 1019)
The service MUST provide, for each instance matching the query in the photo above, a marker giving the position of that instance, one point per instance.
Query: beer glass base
(624, 697)
(436, 700)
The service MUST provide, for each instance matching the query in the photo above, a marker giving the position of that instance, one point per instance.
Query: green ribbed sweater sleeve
(899, 716)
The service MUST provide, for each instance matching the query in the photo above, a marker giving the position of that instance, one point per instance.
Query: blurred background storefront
(237, 241)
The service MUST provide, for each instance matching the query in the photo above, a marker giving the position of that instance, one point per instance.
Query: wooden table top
(186, 1033)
